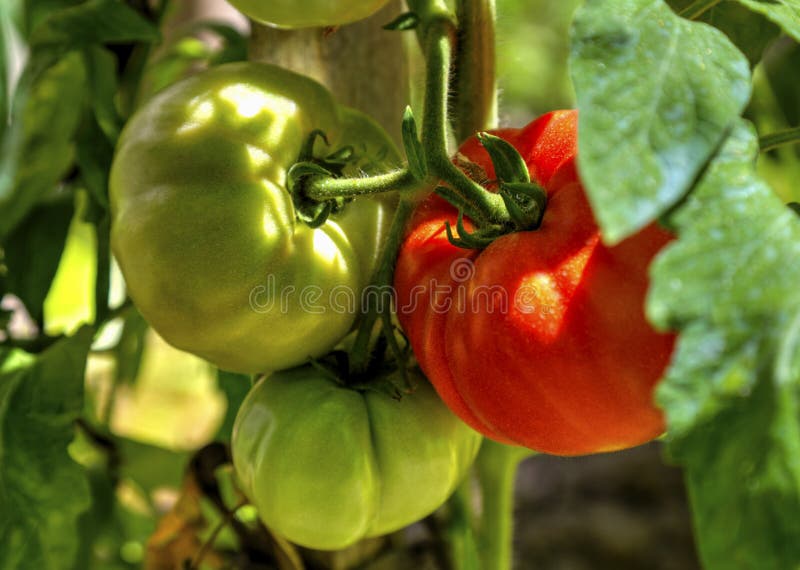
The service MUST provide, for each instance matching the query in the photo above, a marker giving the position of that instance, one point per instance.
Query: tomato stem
(323, 188)
(475, 89)
(381, 282)
(697, 8)
(438, 58)
(497, 468)
(774, 140)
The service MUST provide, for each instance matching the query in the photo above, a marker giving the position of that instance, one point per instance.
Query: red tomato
(540, 339)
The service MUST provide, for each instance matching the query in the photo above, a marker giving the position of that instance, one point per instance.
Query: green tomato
(326, 465)
(205, 231)
(307, 13)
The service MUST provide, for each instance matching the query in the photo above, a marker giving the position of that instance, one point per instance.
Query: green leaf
(413, 147)
(785, 13)
(151, 467)
(6, 57)
(115, 529)
(94, 155)
(188, 53)
(508, 163)
(235, 387)
(38, 148)
(42, 490)
(128, 351)
(101, 66)
(656, 94)
(33, 252)
(36, 11)
(102, 528)
(732, 392)
(750, 32)
(782, 70)
(94, 22)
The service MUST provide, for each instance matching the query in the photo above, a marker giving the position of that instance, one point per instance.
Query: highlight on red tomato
(540, 339)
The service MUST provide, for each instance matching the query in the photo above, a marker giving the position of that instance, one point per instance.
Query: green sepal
(307, 152)
(479, 239)
(342, 156)
(509, 166)
(400, 354)
(308, 211)
(413, 147)
(456, 201)
(526, 203)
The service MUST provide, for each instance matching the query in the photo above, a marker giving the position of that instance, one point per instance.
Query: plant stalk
(438, 59)
(696, 9)
(383, 278)
(774, 140)
(323, 188)
(475, 83)
(497, 468)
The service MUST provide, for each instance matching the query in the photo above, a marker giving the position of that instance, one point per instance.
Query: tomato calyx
(525, 201)
(478, 239)
(385, 372)
(312, 212)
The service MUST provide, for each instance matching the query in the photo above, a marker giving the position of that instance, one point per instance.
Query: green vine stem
(697, 9)
(463, 551)
(774, 140)
(323, 188)
(384, 275)
(437, 34)
(497, 468)
(475, 91)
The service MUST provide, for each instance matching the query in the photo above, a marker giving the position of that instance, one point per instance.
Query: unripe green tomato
(307, 13)
(327, 465)
(205, 231)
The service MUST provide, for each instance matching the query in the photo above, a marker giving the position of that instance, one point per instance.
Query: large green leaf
(101, 66)
(38, 149)
(33, 252)
(36, 11)
(42, 490)
(732, 393)
(656, 93)
(94, 22)
(785, 13)
(751, 32)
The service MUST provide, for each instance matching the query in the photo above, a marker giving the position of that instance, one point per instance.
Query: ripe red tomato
(540, 339)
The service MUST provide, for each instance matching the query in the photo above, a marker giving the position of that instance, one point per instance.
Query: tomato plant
(327, 465)
(580, 285)
(540, 339)
(217, 262)
(308, 13)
